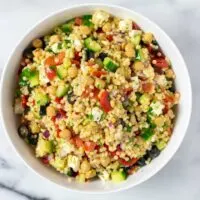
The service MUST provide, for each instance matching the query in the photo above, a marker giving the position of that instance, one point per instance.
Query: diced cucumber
(87, 20)
(118, 176)
(62, 72)
(92, 45)
(44, 147)
(24, 76)
(139, 55)
(34, 79)
(62, 90)
(41, 99)
(161, 144)
(67, 27)
(110, 65)
(136, 39)
(147, 133)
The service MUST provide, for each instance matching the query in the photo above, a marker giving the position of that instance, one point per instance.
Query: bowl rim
(108, 5)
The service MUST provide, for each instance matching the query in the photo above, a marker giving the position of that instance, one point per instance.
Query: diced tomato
(135, 26)
(53, 118)
(50, 73)
(148, 87)
(128, 163)
(160, 62)
(105, 102)
(77, 56)
(55, 60)
(96, 93)
(50, 61)
(99, 73)
(89, 146)
(24, 100)
(78, 21)
(57, 99)
(169, 99)
(62, 113)
(76, 62)
(78, 142)
(59, 58)
(88, 91)
(109, 37)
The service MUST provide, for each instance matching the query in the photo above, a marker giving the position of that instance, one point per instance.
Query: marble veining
(180, 179)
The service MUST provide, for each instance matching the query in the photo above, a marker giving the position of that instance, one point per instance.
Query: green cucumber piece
(62, 72)
(62, 90)
(147, 133)
(34, 79)
(44, 147)
(118, 176)
(67, 27)
(110, 65)
(41, 99)
(92, 45)
(87, 20)
(139, 55)
(136, 39)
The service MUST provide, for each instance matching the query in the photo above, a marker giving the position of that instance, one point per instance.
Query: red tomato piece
(57, 99)
(76, 62)
(78, 21)
(160, 63)
(50, 73)
(59, 58)
(148, 87)
(77, 56)
(89, 146)
(50, 61)
(78, 142)
(128, 163)
(104, 101)
(99, 73)
(24, 100)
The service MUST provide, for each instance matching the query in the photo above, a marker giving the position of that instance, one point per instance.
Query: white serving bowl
(9, 120)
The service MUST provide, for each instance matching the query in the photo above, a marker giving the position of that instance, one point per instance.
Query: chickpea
(105, 161)
(51, 111)
(37, 53)
(54, 39)
(147, 38)
(37, 43)
(159, 121)
(107, 27)
(138, 66)
(85, 30)
(85, 166)
(170, 73)
(66, 134)
(72, 72)
(51, 90)
(129, 50)
(100, 83)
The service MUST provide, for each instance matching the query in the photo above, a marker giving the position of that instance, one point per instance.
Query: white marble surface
(180, 179)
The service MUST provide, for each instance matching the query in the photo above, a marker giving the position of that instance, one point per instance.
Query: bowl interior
(182, 85)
